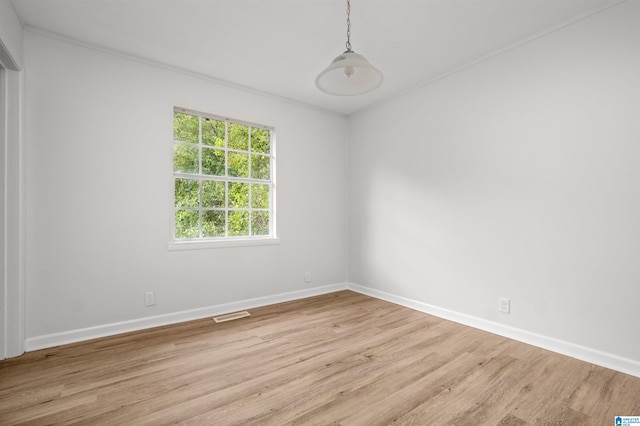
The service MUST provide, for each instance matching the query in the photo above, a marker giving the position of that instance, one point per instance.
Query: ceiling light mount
(349, 73)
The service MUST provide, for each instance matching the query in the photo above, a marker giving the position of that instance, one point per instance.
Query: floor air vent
(233, 316)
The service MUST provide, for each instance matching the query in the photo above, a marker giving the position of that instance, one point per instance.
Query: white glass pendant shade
(349, 74)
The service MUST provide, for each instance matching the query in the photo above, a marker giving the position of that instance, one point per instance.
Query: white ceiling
(279, 46)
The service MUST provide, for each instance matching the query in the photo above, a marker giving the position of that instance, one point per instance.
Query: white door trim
(12, 169)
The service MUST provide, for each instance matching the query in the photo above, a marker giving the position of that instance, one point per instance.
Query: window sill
(211, 244)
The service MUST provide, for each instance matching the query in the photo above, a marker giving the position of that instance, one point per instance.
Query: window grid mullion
(249, 153)
(200, 218)
(200, 145)
(272, 187)
(221, 178)
(226, 174)
(249, 203)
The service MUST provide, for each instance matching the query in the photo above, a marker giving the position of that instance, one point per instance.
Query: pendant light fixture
(349, 73)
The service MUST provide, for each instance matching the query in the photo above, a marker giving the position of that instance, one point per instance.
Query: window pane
(213, 193)
(259, 196)
(260, 140)
(187, 193)
(238, 164)
(212, 162)
(213, 223)
(222, 177)
(260, 223)
(238, 195)
(187, 224)
(238, 136)
(260, 166)
(185, 158)
(185, 127)
(238, 223)
(212, 132)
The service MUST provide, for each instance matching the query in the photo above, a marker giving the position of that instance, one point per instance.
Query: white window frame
(227, 241)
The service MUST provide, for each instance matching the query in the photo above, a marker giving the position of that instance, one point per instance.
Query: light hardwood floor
(342, 358)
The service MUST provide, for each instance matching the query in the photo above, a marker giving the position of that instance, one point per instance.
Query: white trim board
(73, 336)
(583, 353)
(593, 356)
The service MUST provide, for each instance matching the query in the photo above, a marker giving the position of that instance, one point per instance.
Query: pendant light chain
(349, 73)
(348, 44)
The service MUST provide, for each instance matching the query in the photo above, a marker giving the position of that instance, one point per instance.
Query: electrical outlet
(149, 298)
(504, 305)
(307, 277)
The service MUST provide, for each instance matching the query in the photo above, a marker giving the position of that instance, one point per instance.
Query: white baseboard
(593, 356)
(582, 353)
(72, 336)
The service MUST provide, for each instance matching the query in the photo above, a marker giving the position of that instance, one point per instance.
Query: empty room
(314, 212)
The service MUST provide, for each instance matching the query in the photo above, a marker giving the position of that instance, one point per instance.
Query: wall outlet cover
(149, 298)
(504, 305)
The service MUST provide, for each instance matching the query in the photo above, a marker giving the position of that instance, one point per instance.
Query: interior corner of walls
(582, 353)
(11, 37)
(105, 330)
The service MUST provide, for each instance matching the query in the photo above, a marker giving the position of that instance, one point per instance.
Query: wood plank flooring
(342, 358)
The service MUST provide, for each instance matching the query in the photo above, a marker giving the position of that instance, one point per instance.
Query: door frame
(13, 206)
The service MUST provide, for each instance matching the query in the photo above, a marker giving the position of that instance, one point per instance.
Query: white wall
(517, 177)
(99, 193)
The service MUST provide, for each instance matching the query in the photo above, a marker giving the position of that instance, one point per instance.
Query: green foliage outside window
(222, 185)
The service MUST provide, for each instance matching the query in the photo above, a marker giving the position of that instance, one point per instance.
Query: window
(223, 178)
